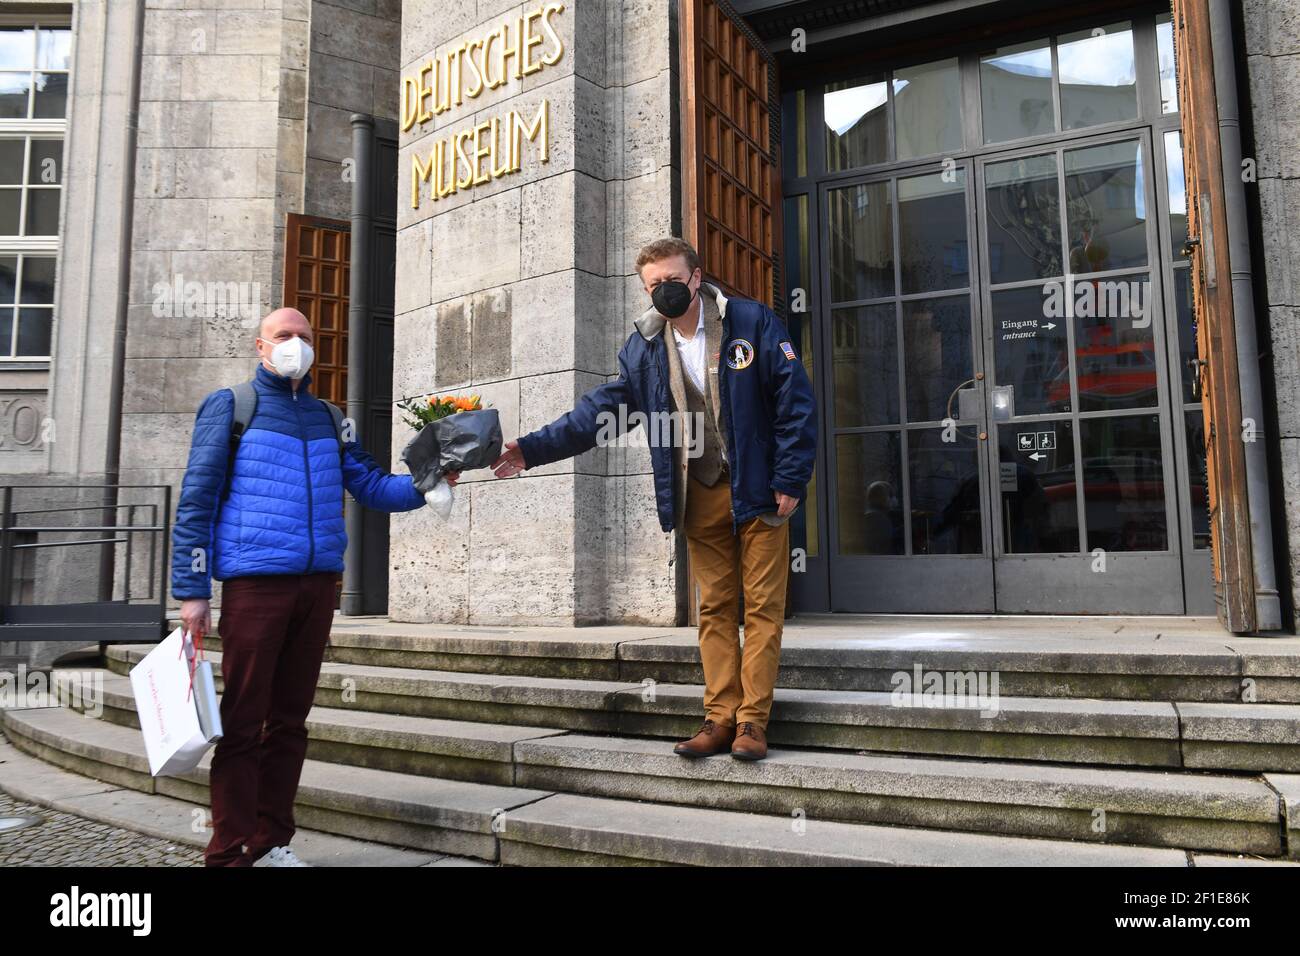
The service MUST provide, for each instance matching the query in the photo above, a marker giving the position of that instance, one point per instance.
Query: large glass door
(1000, 430)
(984, 272)
(1083, 516)
(906, 443)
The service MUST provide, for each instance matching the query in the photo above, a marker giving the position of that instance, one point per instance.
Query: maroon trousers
(273, 631)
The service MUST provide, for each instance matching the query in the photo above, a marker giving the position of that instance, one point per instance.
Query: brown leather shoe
(751, 743)
(710, 739)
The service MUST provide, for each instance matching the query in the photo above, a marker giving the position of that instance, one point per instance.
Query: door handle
(967, 395)
(1196, 365)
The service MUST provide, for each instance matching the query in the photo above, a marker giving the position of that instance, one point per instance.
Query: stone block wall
(206, 212)
(523, 289)
(69, 403)
(355, 50)
(1272, 46)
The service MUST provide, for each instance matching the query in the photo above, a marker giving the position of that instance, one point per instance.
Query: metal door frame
(1151, 123)
(1149, 582)
(887, 583)
(1198, 573)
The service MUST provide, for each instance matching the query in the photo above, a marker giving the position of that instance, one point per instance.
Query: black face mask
(672, 298)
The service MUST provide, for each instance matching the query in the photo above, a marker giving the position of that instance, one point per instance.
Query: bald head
(284, 324)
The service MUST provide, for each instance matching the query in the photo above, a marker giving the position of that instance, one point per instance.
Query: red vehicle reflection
(1110, 376)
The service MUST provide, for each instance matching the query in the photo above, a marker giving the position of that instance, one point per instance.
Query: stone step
(1092, 804)
(424, 813)
(1259, 737)
(566, 830)
(429, 746)
(524, 826)
(1184, 809)
(1163, 659)
(36, 782)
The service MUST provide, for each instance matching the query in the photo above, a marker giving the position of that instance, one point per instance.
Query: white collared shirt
(692, 350)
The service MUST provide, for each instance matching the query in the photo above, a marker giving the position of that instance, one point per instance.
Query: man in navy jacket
(271, 528)
(730, 480)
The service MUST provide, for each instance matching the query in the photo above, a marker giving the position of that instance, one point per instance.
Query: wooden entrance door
(731, 180)
(1216, 359)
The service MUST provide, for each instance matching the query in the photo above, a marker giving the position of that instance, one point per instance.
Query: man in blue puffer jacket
(271, 528)
(727, 368)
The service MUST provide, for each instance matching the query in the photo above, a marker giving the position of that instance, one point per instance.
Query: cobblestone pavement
(67, 840)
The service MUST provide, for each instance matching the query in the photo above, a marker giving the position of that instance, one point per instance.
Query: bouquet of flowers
(453, 433)
(431, 408)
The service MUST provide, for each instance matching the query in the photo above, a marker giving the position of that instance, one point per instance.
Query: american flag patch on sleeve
(788, 349)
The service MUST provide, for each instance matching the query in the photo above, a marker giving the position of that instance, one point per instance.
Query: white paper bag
(179, 723)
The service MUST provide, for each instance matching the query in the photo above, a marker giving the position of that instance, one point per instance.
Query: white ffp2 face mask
(293, 358)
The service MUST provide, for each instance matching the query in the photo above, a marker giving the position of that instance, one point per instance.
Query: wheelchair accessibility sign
(1035, 441)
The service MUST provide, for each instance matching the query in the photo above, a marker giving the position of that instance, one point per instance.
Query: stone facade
(207, 199)
(220, 158)
(355, 49)
(1272, 45)
(523, 289)
(56, 420)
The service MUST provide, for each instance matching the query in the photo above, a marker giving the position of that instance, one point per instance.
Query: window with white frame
(35, 58)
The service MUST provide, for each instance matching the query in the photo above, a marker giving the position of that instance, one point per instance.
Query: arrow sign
(1037, 457)
(1049, 325)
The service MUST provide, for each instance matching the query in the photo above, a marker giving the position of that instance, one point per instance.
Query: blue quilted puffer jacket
(284, 514)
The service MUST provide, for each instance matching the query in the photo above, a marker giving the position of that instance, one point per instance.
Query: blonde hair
(666, 248)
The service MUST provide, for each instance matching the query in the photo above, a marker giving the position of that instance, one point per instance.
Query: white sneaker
(280, 856)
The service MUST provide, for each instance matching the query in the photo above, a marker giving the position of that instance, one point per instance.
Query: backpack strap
(245, 408)
(336, 414)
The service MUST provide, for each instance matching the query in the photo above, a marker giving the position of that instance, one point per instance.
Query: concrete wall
(80, 380)
(523, 289)
(355, 51)
(1272, 43)
(228, 129)
(69, 401)
(205, 207)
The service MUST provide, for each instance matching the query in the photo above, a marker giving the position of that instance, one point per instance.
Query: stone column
(523, 289)
(1272, 41)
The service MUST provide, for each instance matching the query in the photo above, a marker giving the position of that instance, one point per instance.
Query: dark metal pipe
(351, 601)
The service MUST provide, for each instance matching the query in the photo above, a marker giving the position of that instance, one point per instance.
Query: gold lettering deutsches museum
(480, 152)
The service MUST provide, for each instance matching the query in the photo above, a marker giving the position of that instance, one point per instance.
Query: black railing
(46, 586)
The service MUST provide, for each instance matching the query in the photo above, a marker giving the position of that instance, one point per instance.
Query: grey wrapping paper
(460, 442)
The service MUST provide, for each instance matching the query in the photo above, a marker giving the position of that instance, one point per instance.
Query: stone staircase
(553, 745)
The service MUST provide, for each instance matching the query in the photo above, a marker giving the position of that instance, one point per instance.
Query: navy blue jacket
(771, 421)
(284, 514)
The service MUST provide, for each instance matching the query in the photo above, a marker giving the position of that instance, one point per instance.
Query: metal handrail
(88, 527)
(108, 618)
(68, 544)
(41, 511)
